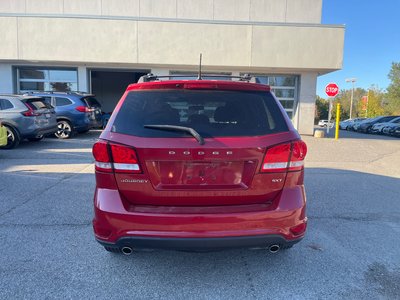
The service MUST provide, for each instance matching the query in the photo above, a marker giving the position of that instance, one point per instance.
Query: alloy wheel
(10, 136)
(64, 130)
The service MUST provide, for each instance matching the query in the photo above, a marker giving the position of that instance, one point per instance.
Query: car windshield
(210, 113)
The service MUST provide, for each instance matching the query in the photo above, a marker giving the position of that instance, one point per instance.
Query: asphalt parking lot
(351, 249)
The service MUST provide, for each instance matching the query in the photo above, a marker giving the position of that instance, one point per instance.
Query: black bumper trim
(257, 241)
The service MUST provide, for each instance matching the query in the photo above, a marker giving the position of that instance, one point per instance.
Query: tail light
(111, 157)
(30, 113)
(102, 156)
(83, 109)
(125, 159)
(285, 157)
(299, 151)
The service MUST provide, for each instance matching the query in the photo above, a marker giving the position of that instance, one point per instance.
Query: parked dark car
(199, 165)
(76, 112)
(392, 129)
(366, 126)
(26, 117)
(378, 127)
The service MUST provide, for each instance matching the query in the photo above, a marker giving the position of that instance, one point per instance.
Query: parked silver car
(348, 124)
(26, 117)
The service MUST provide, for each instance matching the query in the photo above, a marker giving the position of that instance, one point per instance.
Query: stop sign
(332, 89)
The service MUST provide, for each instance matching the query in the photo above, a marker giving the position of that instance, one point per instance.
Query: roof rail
(151, 77)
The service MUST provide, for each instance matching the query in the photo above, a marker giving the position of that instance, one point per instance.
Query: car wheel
(368, 130)
(36, 139)
(13, 138)
(65, 130)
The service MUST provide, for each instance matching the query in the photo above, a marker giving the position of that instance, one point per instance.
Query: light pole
(352, 80)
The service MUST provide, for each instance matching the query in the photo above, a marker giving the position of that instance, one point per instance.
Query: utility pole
(352, 80)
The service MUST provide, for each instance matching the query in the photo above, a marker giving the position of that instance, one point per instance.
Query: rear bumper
(198, 244)
(41, 131)
(96, 123)
(164, 227)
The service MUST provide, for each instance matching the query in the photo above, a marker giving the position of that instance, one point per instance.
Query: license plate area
(201, 175)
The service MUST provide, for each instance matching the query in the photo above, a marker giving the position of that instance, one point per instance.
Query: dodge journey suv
(199, 165)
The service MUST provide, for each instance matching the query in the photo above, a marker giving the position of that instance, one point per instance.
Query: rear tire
(13, 138)
(65, 130)
(35, 139)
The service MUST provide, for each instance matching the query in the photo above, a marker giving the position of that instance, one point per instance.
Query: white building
(101, 46)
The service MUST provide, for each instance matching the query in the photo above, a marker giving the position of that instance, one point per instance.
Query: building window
(285, 88)
(42, 79)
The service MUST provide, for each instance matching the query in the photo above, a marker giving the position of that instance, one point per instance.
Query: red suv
(199, 165)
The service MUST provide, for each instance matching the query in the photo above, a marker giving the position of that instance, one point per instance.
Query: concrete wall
(291, 11)
(150, 43)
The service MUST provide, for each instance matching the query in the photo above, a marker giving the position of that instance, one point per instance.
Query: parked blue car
(76, 112)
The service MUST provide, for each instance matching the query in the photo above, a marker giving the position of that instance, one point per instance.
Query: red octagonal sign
(332, 89)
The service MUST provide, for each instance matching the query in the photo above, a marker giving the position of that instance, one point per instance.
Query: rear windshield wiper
(193, 132)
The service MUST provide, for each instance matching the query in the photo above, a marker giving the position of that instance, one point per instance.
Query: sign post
(331, 90)
(337, 121)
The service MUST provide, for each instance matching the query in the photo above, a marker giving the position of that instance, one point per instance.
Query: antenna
(199, 77)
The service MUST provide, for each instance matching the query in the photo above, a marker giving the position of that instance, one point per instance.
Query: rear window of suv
(91, 102)
(37, 104)
(210, 113)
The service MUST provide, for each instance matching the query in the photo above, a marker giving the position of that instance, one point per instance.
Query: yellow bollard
(337, 121)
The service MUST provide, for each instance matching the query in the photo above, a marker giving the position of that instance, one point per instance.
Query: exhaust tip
(126, 250)
(274, 248)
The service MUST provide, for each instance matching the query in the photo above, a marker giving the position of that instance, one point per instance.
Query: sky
(372, 41)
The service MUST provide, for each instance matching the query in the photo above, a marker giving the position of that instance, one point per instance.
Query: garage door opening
(109, 86)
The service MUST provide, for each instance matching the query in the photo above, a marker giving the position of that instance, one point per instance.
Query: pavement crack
(383, 156)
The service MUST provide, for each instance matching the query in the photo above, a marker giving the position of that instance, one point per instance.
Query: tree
(321, 109)
(375, 103)
(344, 98)
(393, 90)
